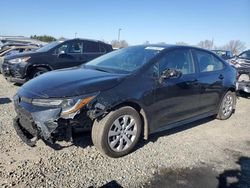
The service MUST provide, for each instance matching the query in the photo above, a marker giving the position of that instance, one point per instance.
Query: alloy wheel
(122, 133)
(227, 107)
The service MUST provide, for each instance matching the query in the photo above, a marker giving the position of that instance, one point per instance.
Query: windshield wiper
(97, 68)
(100, 69)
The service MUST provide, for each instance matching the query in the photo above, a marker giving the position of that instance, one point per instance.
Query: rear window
(103, 48)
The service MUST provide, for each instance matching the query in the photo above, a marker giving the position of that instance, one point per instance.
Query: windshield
(124, 60)
(245, 55)
(49, 46)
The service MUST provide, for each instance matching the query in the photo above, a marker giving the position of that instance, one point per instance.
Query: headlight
(47, 102)
(69, 106)
(19, 60)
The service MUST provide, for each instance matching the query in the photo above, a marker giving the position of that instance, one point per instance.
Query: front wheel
(227, 106)
(117, 133)
(37, 72)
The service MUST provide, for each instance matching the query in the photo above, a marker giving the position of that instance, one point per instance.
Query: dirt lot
(207, 153)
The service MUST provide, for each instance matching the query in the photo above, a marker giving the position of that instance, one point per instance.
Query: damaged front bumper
(243, 86)
(34, 122)
(13, 72)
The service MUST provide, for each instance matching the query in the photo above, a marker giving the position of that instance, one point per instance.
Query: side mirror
(170, 73)
(61, 54)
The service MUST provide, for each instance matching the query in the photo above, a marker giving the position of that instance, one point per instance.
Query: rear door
(210, 78)
(91, 50)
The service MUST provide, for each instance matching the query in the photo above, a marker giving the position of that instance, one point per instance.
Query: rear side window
(178, 59)
(103, 48)
(90, 47)
(208, 62)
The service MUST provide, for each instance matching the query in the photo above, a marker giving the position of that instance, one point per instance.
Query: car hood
(69, 82)
(22, 54)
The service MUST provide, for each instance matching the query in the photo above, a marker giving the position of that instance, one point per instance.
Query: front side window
(207, 62)
(62, 48)
(74, 47)
(179, 60)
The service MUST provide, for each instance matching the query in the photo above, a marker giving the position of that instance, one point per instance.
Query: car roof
(169, 46)
(221, 50)
(91, 40)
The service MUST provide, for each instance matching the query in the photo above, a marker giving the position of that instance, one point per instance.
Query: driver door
(69, 54)
(176, 98)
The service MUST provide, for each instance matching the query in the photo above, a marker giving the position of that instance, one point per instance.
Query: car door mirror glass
(61, 54)
(171, 73)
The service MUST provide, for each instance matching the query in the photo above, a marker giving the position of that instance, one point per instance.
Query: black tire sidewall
(37, 69)
(104, 136)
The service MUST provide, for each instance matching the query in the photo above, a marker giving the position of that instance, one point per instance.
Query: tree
(181, 43)
(236, 46)
(62, 39)
(207, 44)
(120, 44)
(161, 43)
(44, 38)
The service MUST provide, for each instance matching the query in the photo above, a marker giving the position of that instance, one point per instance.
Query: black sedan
(22, 67)
(125, 94)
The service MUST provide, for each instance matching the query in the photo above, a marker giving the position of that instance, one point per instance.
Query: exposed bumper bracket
(23, 135)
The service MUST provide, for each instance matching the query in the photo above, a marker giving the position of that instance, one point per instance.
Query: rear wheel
(117, 133)
(227, 106)
(37, 72)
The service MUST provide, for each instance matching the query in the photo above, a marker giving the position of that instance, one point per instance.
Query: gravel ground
(220, 148)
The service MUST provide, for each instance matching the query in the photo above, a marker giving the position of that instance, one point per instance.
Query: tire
(227, 106)
(37, 72)
(106, 133)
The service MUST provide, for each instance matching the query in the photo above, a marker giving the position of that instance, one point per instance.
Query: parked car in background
(225, 54)
(125, 94)
(14, 50)
(9, 45)
(19, 68)
(7, 40)
(242, 63)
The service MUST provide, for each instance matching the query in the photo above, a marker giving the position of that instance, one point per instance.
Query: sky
(155, 21)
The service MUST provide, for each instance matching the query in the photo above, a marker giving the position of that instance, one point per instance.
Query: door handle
(221, 77)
